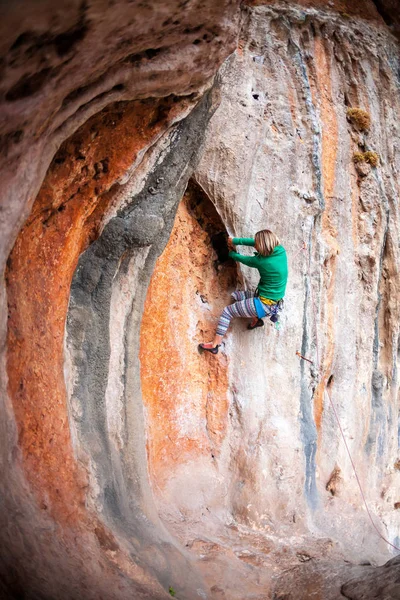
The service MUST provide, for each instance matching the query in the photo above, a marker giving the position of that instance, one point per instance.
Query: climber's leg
(244, 308)
(239, 295)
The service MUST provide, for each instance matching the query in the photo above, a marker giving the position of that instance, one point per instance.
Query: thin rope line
(334, 408)
(356, 475)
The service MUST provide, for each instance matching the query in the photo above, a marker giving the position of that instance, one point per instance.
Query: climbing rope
(314, 311)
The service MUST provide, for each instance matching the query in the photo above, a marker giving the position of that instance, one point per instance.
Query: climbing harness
(314, 311)
(268, 310)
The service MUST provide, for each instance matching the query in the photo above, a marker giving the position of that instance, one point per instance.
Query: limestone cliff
(134, 137)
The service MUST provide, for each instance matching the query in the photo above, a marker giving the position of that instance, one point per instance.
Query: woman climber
(271, 262)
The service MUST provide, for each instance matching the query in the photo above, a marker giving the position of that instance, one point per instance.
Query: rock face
(383, 582)
(189, 287)
(282, 157)
(57, 77)
(132, 465)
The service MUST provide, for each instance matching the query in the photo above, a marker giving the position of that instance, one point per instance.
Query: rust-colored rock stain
(185, 393)
(66, 216)
(329, 156)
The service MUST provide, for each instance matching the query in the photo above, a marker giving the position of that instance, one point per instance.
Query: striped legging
(243, 307)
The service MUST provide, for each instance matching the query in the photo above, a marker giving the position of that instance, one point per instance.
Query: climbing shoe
(203, 347)
(258, 323)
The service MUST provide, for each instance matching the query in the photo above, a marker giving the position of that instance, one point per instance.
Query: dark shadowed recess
(390, 13)
(208, 218)
(29, 43)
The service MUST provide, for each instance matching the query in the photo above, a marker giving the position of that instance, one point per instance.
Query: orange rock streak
(185, 393)
(329, 155)
(66, 216)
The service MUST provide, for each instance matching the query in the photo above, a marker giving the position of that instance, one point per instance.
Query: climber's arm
(250, 261)
(243, 241)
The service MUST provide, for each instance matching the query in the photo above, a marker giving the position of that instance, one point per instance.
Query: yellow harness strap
(267, 301)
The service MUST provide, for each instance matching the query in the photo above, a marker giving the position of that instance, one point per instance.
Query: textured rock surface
(189, 286)
(116, 482)
(56, 74)
(279, 153)
(65, 217)
(233, 482)
(280, 150)
(383, 582)
(63, 63)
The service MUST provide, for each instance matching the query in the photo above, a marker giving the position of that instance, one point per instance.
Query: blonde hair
(265, 242)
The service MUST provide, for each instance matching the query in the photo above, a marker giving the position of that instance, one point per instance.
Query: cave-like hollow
(134, 467)
(185, 394)
(77, 279)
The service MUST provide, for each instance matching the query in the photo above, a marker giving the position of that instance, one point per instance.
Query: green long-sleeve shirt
(273, 269)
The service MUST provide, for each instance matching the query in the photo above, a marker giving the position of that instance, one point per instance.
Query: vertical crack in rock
(297, 55)
(308, 428)
(378, 421)
(321, 83)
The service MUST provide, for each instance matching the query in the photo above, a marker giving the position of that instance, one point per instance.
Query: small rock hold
(300, 17)
(363, 169)
(303, 557)
(334, 482)
(152, 190)
(309, 198)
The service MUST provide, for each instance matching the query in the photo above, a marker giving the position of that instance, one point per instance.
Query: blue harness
(259, 308)
(264, 310)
